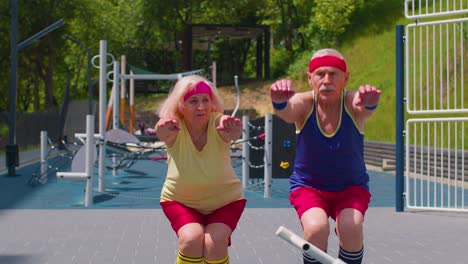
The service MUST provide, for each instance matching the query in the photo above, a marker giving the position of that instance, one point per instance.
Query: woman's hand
(229, 128)
(167, 130)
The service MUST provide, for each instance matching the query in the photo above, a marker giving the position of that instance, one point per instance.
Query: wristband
(371, 108)
(279, 106)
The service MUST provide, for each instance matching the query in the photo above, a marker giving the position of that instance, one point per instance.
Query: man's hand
(368, 95)
(281, 91)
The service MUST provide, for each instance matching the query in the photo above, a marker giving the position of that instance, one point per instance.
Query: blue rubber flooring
(139, 187)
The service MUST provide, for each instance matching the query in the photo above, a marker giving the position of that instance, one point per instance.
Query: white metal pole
(245, 151)
(123, 68)
(268, 155)
(89, 166)
(44, 150)
(115, 88)
(102, 111)
(236, 84)
(132, 107)
(306, 247)
(116, 107)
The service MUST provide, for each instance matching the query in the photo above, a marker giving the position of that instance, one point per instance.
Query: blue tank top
(330, 163)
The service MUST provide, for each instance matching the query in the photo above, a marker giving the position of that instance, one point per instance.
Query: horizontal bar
(444, 209)
(173, 76)
(436, 14)
(73, 176)
(439, 111)
(83, 135)
(306, 247)
(150, 76)
(41, 33)
(436, 119)
(438, 22)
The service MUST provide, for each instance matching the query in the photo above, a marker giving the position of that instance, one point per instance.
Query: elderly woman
(202, 196)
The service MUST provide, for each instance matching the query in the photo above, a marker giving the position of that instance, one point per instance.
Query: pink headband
(327, 61)
(201, 87)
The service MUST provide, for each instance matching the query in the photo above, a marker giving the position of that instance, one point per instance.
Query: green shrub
(279, 58)
(298, 69)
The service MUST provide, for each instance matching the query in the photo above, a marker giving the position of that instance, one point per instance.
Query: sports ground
(48, 223)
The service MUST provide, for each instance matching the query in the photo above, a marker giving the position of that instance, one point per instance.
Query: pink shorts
(180, 215)
(304, 198)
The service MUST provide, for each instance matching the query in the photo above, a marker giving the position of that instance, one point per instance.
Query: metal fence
(435, 154)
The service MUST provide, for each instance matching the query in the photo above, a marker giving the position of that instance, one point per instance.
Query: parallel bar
(306, 247)
(73, 176)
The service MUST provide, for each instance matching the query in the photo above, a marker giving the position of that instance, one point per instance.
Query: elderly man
(330, 177)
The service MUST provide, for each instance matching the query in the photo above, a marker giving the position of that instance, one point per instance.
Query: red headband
(332, 61)
(201, 87)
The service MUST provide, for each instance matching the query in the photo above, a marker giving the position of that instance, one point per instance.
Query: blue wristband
(371, 108)
(279, 106)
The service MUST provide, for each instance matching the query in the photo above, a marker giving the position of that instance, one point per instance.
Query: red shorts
(304, 198)
(180, 215)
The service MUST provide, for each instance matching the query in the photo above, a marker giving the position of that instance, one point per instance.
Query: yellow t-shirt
(204, 180)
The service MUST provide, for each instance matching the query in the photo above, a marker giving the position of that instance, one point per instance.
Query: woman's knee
(217, 234)
(191, 237)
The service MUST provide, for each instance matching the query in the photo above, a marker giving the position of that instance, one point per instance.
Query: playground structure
(53, 158)
(435, 147)
(116, 105)
(116, 148)
(423, 152)
(123, 150)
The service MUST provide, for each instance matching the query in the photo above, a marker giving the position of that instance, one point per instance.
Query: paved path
(48, 224)
(144, 236)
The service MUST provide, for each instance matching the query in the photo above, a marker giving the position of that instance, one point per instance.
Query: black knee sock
(309, 260)
(351, 257)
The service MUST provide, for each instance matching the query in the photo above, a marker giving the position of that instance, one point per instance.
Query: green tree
(332, 18)
(5, 22)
